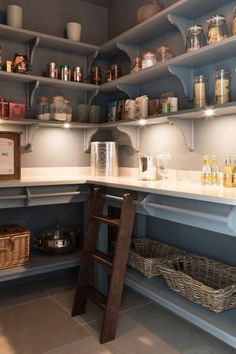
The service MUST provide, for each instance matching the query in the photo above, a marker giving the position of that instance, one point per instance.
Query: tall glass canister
(222, 80)
(200, 91)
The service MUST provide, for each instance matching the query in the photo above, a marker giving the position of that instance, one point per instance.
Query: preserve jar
(148, 59)
(42, 108)
(200, 91)
(136, 65)
(96, 75)
(163, 53)
(58, 109)
(217, 29)
(222, 80)
(115, 71)
(195, 38)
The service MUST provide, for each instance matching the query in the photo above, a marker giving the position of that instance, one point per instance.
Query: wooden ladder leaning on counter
(84, 291)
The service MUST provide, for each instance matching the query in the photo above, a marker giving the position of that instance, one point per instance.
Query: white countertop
(175, 188)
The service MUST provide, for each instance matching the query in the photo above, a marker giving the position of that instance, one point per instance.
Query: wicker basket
(209, 283)
(14, 246)
(145, 255)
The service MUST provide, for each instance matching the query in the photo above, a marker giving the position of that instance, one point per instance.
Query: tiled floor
(35, 319)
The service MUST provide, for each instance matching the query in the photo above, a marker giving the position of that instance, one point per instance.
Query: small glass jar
(42, 108)
(195, 38)
(222, 80)
(217, 29)
(58, 109)
(115, 72)
(148, 59)
(200, 91)
(96, 75)
(68, 110)
(163, 53)
(136, 65)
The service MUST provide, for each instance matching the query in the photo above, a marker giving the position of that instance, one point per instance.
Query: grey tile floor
(35, 319)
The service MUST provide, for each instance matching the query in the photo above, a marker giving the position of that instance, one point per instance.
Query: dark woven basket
(204, 281)
(145, 255)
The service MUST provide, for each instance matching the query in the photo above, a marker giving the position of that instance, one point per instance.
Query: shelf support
(31, 89)
(31, 47)
(88, 134)
(30, 134)
(133, 133)
(130, 90)
(131, 50)
(88, 63)
(185, 75)
(182, 24)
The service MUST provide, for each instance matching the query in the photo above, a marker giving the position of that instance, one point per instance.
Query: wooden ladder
(117, 264)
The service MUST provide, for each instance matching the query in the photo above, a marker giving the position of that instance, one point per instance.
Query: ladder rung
(102, 258)
(94, 296)
(104, 219)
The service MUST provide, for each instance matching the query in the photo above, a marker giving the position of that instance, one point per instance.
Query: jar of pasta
(222, 86)
(217, 29)
(200, 91)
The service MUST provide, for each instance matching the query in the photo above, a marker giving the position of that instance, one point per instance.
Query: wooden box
(10, 163)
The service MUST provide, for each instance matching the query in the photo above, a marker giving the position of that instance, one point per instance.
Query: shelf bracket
(187, 132)
(29, 137)
(88, 134)
(91, 95)
(130, 90)
(131, 50)
(133, 134)
(181, 23)
(31, 47)
(88, 63)
(185, 75)
(31, 89)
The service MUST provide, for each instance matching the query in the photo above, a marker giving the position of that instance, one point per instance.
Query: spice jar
(65, 72)
(217, 29)
(4, 112)
(58, 109)
(115, 72)
(221, 86)
(148, 59)
(136, 65)
(163, 53)
(234, 23)
(200, 91)
(96, 75)
(42, 108)
(195, 38)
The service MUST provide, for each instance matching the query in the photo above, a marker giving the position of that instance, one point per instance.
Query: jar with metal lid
(136, 65)
(148, 59)
(115, 71)
(163, 53)
(195, 38)
(77, 74)
(200, 91)
(96, 75)
(65, 72)
(58, 109)
(217, 29)
(222, 80)
(42, 108)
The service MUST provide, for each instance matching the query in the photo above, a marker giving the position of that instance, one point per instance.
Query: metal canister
(65, 72)
(52, 70)
(77, 74)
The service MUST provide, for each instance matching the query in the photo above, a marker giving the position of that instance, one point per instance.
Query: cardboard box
(17, 110)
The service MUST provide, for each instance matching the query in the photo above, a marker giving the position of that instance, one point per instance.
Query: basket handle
(10, 245)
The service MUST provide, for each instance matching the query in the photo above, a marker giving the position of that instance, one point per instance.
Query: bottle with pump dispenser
(228, 172)
(206, 171)
(215, 176)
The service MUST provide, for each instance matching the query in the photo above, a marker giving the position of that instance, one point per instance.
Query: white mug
(73, 30)
(14, 16)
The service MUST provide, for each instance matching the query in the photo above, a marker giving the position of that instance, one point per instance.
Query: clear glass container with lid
(136, 65)
(42, 108)
(148, 59)
(222, 79)
(195, 38)
(163, 53)
(217, 29)
(115, 71)
(200, 91)
(58, 109)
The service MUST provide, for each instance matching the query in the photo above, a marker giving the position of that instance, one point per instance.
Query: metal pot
(57, 241)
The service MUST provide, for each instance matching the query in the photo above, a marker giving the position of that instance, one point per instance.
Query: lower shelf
(40, 263)
(222, 326)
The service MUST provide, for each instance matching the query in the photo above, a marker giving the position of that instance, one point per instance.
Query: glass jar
(200, 91)
(68, 110)
(217, 29)
(136, 65)
(96, 75)
(195, 38)
(42, 108)
(115, 71)
(148, 59)
(163, 53)
(222, 86)
(108, 76)
(58, 109)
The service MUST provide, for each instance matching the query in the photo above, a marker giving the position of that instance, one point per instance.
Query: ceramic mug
(73, 30)
(14, 16)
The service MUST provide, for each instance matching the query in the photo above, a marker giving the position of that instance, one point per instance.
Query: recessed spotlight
(209, 112)
(142, 122)
(66, 125)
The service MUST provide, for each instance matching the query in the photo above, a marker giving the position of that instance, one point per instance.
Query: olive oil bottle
(228, 172)
(206, 171)
(234, 173)
(215, 177)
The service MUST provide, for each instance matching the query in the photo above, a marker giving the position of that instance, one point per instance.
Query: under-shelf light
(142, 122)
(66, 125)
(209, 112)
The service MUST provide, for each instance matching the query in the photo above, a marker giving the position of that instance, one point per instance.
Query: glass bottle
(42, 108)
(163, 53)
(200, 91)
(217, 29)
(234, 173)
(228, 172)
(58, 108)
(215, 177)
(206, 171)
(234, 23)
(96, 75)
(222, 86)
(195, 38)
